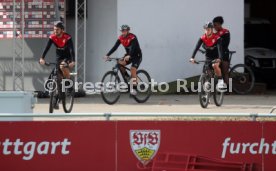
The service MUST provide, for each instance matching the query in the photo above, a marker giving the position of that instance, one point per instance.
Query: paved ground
(170, 104)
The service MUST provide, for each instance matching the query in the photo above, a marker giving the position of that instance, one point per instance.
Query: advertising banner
(138, 145)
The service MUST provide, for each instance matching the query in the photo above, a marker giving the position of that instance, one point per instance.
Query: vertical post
(57, 10)
(18, 44)
(13, 44)
(84, 50)
(23, 44)
(76, 37)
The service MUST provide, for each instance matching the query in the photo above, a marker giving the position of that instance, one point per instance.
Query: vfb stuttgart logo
(145, 144)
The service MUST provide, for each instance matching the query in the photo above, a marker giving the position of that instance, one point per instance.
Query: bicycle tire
(104, 95)
(52, 93)
(64, 100)
(51, 105)
(148, 93)
(218, 95)
(237, 79)
(203, 95)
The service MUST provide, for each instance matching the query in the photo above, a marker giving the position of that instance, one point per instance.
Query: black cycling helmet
(125, 27)
(59, 24)
(208, 25)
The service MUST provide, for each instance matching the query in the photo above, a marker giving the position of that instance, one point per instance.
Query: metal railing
(108, 116)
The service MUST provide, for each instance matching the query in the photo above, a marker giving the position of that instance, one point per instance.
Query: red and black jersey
(211, 44)
(64, 47)
(125, 41)
(60, 42)
(131, 44)
(224, 34)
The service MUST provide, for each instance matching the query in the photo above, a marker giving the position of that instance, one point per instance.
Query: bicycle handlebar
(49, 63)
(52, 63)
(206, 61)
(113, 59)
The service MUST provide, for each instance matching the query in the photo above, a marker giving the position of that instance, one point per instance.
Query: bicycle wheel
(110, 92)
(143, 87)
(52, 88)
(243, 79)
(204, 91)
(68, 99)
(52, 103)
(218, 95)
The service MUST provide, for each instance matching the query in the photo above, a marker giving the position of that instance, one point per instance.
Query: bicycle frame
(117, 68)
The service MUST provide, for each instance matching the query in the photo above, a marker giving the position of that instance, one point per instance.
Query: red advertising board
(138, 145)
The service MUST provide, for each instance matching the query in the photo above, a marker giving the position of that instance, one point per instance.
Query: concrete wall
(101, 35)
(169, 29)
(34, 73)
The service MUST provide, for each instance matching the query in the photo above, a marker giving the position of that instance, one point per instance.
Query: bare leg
(217, 70)
(122, 63)
(133, 71)
(65, 71)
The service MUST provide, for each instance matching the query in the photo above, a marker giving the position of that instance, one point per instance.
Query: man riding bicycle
(65, 55)
(133, 54)
(212, 44)
(225, 41)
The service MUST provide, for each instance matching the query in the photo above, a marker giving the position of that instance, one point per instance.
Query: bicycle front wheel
(143, 86)
(68, 99)
(243, 79)
(218, 95)
(52, 86)
(52, 103)
(204, 90)
(110, 92)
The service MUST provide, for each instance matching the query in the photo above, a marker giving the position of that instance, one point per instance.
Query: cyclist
(212, 44)
(65, 54)
(133, 54)
(225, 41)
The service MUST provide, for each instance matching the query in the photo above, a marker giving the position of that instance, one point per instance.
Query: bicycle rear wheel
(109, 92)
(243, 79)
(143, 87)
(68, 99)
(218, 95)
(204, 91)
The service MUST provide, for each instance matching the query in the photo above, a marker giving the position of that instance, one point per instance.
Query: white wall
(167, 30)
(101, 35)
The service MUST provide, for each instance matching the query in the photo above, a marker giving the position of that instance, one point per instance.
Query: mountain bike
(57, 92)
(243, 78)
(113, 85)
(208, 85)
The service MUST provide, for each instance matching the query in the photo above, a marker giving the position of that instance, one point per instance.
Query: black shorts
(67, 61)
(135, 61)
(210, 64)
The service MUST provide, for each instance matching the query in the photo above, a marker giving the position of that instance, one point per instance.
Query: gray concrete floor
(169, 103)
